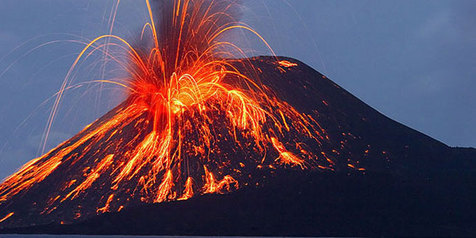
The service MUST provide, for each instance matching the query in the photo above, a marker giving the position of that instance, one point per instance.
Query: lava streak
(194, 122)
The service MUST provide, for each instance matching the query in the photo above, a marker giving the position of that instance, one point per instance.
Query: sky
(413, 61)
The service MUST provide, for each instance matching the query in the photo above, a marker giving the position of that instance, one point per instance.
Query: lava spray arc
(197, 119)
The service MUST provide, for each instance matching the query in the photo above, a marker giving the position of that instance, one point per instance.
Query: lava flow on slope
(197, 120)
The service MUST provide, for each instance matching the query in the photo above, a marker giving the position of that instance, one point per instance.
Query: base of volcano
(300, 204)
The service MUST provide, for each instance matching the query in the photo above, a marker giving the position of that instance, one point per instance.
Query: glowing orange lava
(6, 217)
(287, 64)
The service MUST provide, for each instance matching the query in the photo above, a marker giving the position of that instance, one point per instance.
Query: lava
(6, 217)
(287, 64)
(193, 122)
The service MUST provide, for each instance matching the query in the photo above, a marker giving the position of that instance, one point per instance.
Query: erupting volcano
(202, 118)
(197, 120)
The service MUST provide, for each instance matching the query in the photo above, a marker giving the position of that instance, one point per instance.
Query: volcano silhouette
(385, 178)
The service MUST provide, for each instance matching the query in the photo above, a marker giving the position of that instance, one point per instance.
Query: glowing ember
(285, 156)
(6, 217)
(287, 64)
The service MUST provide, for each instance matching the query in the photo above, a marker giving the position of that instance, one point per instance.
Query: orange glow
(224, 185)
(92, 177)
(165, 187)
(285, 156)
(356, 168)
(6, 217)
(287, 64)
(188, 192)
(106, 207)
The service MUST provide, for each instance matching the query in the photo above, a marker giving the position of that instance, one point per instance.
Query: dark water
(74, 236)
(83, 236)
(86, 236)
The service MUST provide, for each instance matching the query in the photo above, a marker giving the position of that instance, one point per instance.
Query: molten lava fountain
(197, 120)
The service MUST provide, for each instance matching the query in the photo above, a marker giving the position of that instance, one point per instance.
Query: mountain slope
(387, 179)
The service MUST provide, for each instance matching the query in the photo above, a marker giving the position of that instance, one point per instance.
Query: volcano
(386, 179)
(211, 142)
